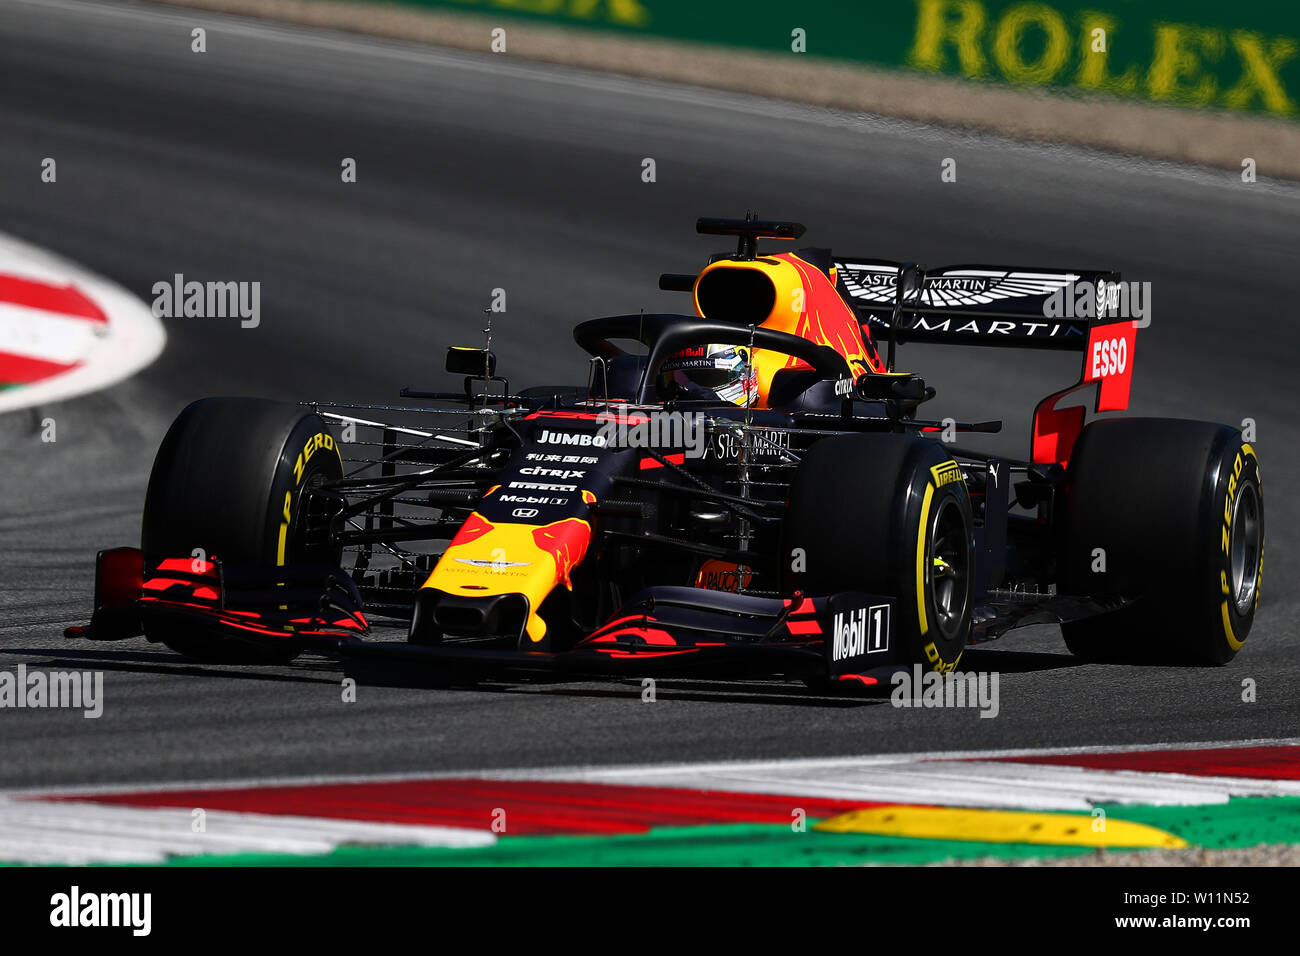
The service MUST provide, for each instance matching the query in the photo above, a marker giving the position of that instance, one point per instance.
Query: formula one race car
(750, 492)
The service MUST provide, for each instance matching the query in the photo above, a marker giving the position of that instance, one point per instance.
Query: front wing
(845, 637)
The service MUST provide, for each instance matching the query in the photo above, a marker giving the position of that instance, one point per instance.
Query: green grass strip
(1242, 821)
(728, 845)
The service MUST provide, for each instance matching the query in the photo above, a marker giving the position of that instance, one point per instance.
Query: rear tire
(228, 483)
(880, 514)
(1177, 509)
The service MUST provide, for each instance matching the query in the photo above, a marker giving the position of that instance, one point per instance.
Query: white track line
(82, 833)
(965, 784)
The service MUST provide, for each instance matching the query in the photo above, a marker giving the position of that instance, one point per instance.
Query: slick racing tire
(1170, 513)
(888, 515)
(228, 482)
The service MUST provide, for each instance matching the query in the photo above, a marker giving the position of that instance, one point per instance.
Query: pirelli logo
(946, 473)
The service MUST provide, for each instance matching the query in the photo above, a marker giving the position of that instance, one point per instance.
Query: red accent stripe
(162, 584)
(192, 565)
(573, 416)
(530, 806)
(619, 654)
(64, 299)
(630, 617)
(651, 635)
(1265, 763)
(648, 463)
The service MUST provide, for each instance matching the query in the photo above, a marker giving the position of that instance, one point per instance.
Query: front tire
(229, 482)
(890, 515)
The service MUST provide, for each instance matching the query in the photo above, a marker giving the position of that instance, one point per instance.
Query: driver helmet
(722, 372)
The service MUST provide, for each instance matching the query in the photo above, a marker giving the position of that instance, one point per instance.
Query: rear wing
(979, 304)
(1000, 306)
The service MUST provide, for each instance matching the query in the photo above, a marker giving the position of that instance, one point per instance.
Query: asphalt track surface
(476, 172)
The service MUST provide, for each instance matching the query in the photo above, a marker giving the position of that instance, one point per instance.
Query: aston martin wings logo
(875, 282)
(486, 563)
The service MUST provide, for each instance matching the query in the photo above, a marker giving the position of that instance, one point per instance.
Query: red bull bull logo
(566, 542)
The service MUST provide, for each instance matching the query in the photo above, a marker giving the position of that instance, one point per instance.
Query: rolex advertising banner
(1207, 53)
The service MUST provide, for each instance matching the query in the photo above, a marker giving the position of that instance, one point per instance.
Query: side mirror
(476, 363)
(892, 386)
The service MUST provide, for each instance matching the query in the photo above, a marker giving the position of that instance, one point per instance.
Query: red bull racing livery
(750, 489)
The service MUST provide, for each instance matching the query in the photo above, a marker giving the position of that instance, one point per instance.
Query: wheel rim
(1243, 547)
(310, 539)
(949, 568)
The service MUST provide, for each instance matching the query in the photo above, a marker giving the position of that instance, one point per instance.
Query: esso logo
(1109, 357)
